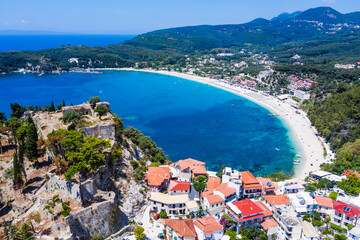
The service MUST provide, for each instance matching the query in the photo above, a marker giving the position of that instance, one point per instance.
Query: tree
(333, 195)
(163, 214)
(93, 101)
(71, 116)
(139, 233)
(199, 184)
(13, 123)
(306, 217)
(34, 216)
(21, 159)
(102, 110)
(220, 172)
(351, 185)
(17, 171)
(2, 118)
(31, 143)
(17, 110)
(63, 103)
(52, 107)
(311, 187)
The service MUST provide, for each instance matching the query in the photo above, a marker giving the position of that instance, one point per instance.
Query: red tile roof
(213, 183)
(347, 172)
(248, 208)
(264, 182)
(157, 175)
(226, 190)
(266, 211)
(206, 193)
(198, 170)
(179, 186)
(208, 225)
(249, 181)
(346, 209)
(324, 201)
(187, 163)
(184, 227)
(269, 223)
(214, 199)
(277, 199)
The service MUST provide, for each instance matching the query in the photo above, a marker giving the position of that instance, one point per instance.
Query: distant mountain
(33, 32)
(284, 16)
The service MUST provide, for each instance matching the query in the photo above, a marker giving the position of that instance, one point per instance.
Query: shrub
(71, 116)
(333, 195)
(163, 214)
(338, 228)
(65, 208)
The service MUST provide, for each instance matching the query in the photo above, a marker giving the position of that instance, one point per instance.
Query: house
(177, 229)
(245, 213)
(158, 178)
(233, 178)
(354, 233)
(192, 206)
(267, 186)
(267, 212)
(179, 187)
(172, 204)
(318, 175)
(292, 187)
(325, 205)
(213, 183)
(345, 214)
(270, 226)
(214, 204)
(208, 228)
(309, 232)
(275, 200)
(250, 185)
(198, 171)
(195, 167)
(303, 203)
(226, 192)
(289, 225)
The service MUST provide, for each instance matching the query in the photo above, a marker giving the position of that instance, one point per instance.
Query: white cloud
(328, 1)
(22, 21)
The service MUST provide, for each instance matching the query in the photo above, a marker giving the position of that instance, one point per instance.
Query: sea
(38, 42)
(185, 118)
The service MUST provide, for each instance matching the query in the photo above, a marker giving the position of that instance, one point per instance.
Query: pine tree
(21, 158)
(17, 171)
(52, 107)
(63, 104)
(31, 143)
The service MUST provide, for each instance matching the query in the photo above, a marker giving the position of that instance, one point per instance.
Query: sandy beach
(312, 145)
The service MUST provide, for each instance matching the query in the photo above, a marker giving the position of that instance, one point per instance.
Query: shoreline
(311, 145)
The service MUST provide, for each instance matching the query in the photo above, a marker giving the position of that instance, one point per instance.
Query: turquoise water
(185, 118)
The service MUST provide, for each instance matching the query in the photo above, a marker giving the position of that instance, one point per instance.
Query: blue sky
(139, 16)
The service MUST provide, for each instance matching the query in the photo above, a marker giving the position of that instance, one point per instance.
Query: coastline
(311, 145)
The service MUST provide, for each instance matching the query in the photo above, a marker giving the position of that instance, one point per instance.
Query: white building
(302, 203)
(309, 232)
(301, 94)
(172, 204)
(354, 233)
(289, 226)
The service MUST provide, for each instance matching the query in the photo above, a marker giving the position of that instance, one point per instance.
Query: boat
(296, 163)
(292, 148)
(298, 156)
(233, 105)
(277, 149)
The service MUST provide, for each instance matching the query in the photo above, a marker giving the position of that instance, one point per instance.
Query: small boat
(296, 163)
(298, 156)
(277, 149)
(233, 105)
(292, 148)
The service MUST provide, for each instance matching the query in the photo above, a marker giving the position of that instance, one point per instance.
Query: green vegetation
(93, 101)
(18, 233)
(101, 110)
(199, 184)
(71, 116)
(338, 228)
(65, 208)
(163, 214)
(278, 177)
(139, 233)
(350, 185)
(333, 195)
(231, 233)
(253, 232)
(322, 184)
(17, 110)
(296, 99)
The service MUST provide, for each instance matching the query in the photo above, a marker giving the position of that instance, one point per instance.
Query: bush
(317, 223)
(163, 214)
(71, 116)
(333, 195)
(338, 228)
(65, 208)
(101, 110)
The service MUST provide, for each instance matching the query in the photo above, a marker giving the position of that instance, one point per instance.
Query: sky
(140, 16)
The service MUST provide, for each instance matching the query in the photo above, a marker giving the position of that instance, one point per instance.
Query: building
(245, 213)
(208, 228)
(214, 204)
(267, 186)
(324, 206)
(226, 192)
(275, 200)
(250, 185)
(270, 226)
(301, 94)
(172, 204)
(354, 233)
(289, 226)
(345, 214)
(158, 178)
(303, 203)
(292, 187)
(318, 175)
(177, 229)
(198, 171)
(309, 232)
(179, 187)
(195, 167)
(233, 178)
(192, 206)
(213, 183)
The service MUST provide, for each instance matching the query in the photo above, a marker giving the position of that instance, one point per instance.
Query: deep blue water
(37, 42)
(185, 118)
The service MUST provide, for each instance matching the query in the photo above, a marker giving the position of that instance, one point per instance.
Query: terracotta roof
(266, 211)
(208, 225)
(179, 186)
(206, 193)
(226, 190)
(198, 170)
(269, 223)
(277, 199)
(213, 182)
(265, 182)
(248, 208)
(184, 227)
(346, 209)
(249, 181)
(187, 163)
(324, 201)
(347, 172)
(157, 175)
(214, 199)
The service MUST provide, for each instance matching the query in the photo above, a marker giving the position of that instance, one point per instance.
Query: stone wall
(104, 131)
(71, 189)
(97, 221)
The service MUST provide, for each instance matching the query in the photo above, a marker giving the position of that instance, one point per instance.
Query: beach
(312, 146)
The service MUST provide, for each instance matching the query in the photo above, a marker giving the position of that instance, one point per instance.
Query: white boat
(298, 156)
(277, 149)
(296, 163)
